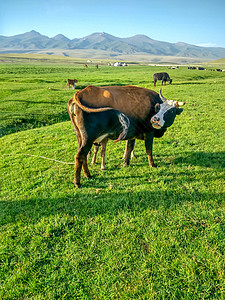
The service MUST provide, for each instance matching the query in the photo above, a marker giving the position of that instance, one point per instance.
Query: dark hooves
(77, 185)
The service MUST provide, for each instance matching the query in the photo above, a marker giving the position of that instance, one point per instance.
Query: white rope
(59, 161)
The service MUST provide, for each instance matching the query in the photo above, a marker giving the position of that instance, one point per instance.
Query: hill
(107, 44)
(220, 62)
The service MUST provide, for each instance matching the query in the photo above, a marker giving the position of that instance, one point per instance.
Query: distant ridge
(34, 41)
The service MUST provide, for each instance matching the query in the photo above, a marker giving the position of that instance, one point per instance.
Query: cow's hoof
(154, 166)
(77, 185)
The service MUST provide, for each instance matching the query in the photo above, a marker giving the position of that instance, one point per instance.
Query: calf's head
(165, 112)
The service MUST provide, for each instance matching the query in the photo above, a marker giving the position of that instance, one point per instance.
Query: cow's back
(158, 76)
(133, 101)
(161, 76)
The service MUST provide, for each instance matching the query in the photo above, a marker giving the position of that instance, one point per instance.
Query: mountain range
(34, 41)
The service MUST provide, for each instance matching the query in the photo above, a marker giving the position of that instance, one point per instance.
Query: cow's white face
(166, 113)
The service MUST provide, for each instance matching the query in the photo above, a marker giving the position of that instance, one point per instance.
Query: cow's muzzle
(155, 122)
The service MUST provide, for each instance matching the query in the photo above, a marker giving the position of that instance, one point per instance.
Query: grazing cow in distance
(72, 83)
(118, 113)
(162, 76)
(200, 68)
(85, 65)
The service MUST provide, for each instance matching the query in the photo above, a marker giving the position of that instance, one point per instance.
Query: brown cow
(85, 65)
(71, 82)
(119, 113)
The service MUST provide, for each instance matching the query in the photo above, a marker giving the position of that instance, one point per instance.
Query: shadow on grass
(38, 102)
(203, 159)
(99, 203)
(25, 122)
(190, 83)
(113, 194)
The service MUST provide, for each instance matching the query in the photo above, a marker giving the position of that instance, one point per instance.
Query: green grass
(129, 233)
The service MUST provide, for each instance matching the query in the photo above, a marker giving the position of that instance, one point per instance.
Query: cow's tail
(76, 99)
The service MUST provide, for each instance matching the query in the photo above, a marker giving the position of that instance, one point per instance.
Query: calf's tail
(125, 123)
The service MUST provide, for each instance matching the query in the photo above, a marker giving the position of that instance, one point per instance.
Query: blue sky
(195, 22)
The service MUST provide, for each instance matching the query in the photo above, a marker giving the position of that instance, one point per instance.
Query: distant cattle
(219, 70)
(85, 65)
(97, 66)
(192, 68)
(118, 64)
(201, 68)
(162, 76)
(118, 113)
(71, 82)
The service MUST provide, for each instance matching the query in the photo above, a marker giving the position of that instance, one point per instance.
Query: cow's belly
(101, 138)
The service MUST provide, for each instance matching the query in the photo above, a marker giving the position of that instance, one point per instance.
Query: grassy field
(129, 233)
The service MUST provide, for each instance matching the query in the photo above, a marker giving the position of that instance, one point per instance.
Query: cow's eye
(157, 107)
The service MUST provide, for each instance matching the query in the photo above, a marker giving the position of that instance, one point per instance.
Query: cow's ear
(157, 107)
(179, 111)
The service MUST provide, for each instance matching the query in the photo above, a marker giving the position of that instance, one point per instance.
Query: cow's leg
(103, 151)
(67, 86)
(148, 146)
(128, 150)
(155, 82)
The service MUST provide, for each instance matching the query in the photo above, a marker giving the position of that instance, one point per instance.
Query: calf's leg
(85, 168)
(96, 147)
(103, 151)
(81, 161)
(78, 167)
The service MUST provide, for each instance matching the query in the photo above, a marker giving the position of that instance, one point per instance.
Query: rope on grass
(59, 161)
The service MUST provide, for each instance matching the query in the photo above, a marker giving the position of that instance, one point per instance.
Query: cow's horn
(181, 103)
(161, 96)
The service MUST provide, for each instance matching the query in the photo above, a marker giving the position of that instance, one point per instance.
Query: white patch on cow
(100, 138)
(124, 121)
(164, 107)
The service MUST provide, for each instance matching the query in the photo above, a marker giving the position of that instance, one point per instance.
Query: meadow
(128, 233)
